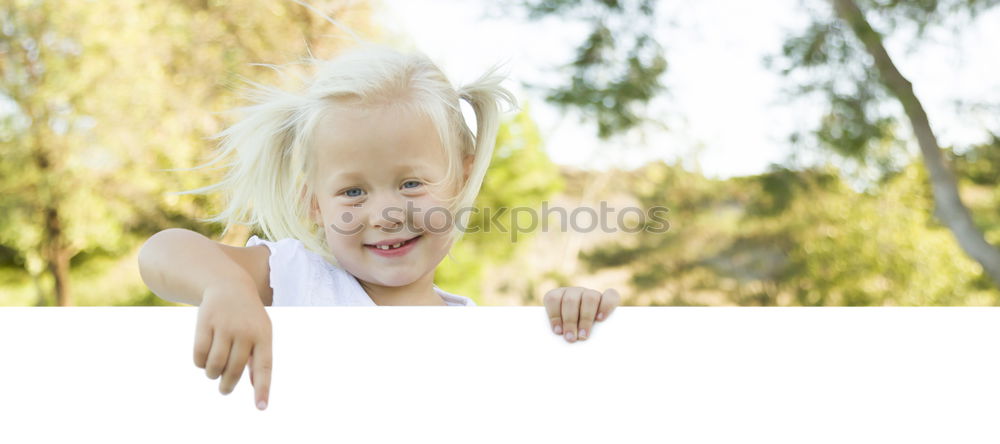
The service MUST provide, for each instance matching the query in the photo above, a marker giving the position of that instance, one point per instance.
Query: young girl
(358, 180)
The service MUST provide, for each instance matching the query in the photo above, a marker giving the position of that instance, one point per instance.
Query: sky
(725, 112)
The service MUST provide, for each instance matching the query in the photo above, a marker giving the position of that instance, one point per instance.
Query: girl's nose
(387, 214)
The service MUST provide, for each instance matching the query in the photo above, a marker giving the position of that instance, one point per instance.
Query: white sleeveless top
(301, 277)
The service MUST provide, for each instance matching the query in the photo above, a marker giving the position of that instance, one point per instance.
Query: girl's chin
(393, 279)
(392, 282)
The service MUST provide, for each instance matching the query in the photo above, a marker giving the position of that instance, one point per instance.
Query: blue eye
(411, 184)
(353, 192)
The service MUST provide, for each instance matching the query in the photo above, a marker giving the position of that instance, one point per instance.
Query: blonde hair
(267, 183)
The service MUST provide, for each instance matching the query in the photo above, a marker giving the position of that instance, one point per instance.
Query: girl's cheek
(346, 223)
(431, 215)
(438, 220)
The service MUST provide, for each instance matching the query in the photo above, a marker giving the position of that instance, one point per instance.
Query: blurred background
(814, 152)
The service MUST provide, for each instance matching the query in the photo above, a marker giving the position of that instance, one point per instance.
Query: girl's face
(373, 187)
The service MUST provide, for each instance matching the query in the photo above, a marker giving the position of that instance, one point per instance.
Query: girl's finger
(589, 301)
(571, 312)
(218, 356)
(553, 303)
(202, 344)
(234, 366)
(609, 300)
(261, 369)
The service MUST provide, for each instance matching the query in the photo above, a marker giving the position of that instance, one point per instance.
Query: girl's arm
(230, 286)
(178, 265)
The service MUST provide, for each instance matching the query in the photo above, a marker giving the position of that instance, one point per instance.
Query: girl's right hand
(232, 328)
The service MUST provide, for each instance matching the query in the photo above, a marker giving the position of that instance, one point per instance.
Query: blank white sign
(498, 374)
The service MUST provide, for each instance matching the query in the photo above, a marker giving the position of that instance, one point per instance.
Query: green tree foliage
(791, 237)
(843, 247)
(617, 69)
(824, 59)
(98, 98)
(839, 56)
(847, 40)
(978, 169)
(980, 164)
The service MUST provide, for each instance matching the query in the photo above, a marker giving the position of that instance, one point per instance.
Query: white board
(498, 374)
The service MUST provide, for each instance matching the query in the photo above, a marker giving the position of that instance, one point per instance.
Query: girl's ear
(467, 166)
(314, 214)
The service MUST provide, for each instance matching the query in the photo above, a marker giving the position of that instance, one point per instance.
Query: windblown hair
(267, 184)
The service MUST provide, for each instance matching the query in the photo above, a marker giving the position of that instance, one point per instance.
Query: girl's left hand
(573, 310)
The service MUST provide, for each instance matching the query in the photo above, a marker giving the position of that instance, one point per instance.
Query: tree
(855, 124)
(860, 78)
(617, 69)
(793, 237)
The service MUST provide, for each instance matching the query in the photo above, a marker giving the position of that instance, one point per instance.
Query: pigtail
(484, 96)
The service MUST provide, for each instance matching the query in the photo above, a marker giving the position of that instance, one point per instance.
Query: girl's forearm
(179, 264)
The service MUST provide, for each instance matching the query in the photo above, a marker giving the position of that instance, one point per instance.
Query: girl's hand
(572, 310)
(232, 327)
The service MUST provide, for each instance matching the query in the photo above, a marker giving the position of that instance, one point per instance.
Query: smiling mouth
(392, 246)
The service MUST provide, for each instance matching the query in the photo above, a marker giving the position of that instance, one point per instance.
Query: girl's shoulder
(291, 268)
(301, 277)
(284, 251)
(454, 299)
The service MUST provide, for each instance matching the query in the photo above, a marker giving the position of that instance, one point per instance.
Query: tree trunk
(55, 249)
(948, 206)
(57, 256)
